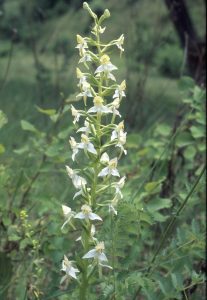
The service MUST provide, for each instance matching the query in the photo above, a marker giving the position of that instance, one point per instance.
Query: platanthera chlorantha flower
(98, 106)
(68, 215)
(111, 169)
(106, 67)
(86, 144)
(86, 129)
(82, 78)
(67, 267)
(75, 114)
(82, 45)
(86, 57)
(119, 92)
(114, 107)
(74, 147)
(120, 42)
(97, 253)
(77, 180)
(87, 214)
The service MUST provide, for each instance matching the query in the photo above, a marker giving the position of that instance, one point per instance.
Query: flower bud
(87, 7)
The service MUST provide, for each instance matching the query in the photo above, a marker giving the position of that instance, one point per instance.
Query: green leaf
(197, 131)
(190, 152)
(153, 187)
(2, 149)
(49, 112)
(157, 204)
(28, 126)
(22, 150)
(163, 129)
(184, 139)
(3, 119)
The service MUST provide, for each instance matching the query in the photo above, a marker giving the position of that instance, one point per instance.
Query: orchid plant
(98, 182)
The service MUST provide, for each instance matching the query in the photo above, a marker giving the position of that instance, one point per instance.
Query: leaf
(3, 119)
(190, 152)
(184, 139)
(157, 204)
(49, 112)
(22, 150)
(163, 129)
(2, 149)
(197, 132)
(28, 126)
(153, 187)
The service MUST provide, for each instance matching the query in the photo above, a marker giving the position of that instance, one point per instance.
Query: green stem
(84, 287)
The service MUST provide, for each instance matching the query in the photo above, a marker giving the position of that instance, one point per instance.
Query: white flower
(86, 57)
(86, 144)
(77, 181)
(98, 28)
(122, 141)
(120, 42)
(111, 169)
(92, 233)
(86, 129)
(68, 269)
(68, 214)
(75, 114)
(114, 106)
(106, 67)
(99, 107)
(74, 147)
(119, 130)
(97, 253)
(87, 214)
(81, 77)
(104, 158)
(119, 185)
(112, 206)
(82, 44)
(86, 90)
(119, 92)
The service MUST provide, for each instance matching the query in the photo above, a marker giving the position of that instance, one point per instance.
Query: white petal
(102, 257)
(115, 172)
(99, 69)
(66, 210)
(111, 67)
(104, 158)
(77, 194)
(90, 148)
(93, 216)
(114, 135)
(90, 254)
(92, 109)
(106, 266)
(104, 172)
(80, 215)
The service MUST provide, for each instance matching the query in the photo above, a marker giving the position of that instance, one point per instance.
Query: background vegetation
(165, 120)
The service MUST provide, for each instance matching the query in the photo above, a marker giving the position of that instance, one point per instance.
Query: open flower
(122, 141)
(86, 128)
(74, 147)
(111, 169)
(98, 106)
(114, 106)
(119, 92)
(68, 268)
(86, 91)
(87, 214)
(112, 206)
(81, 77)
(86, 57)
(106, 67)
(75, 114)
(77, 180)
(119, 185)
(120, 42)
(68, 214)
(118, 130)
(86, 144)
(82, 44)
(97, 253)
